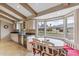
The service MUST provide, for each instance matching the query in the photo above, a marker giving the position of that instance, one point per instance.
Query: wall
(0, 29)
(5, 33)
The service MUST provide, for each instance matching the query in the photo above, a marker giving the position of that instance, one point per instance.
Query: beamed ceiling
(27, 11)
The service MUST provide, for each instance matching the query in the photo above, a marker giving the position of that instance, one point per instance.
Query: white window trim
(65, 26)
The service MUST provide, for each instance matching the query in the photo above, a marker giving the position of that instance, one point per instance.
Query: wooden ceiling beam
(29, 8)
(54, 9)
(57, 8)
(16, 19)
(13, 10)
(6, 18)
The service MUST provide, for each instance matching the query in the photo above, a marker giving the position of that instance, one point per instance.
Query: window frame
(57, 18)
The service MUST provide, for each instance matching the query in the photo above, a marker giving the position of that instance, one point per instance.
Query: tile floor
(9, 48)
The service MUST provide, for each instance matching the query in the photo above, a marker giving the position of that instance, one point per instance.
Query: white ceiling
(10, 12)
(19, 8)
(3, 19)
(38, 7)
(8, 17)
(57, 13)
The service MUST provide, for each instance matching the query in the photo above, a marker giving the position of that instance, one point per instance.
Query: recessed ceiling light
(18, 6)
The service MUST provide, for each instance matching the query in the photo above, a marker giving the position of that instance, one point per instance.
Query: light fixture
(18, 6)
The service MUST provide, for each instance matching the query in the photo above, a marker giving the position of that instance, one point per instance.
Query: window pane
(41, 27)
(55, 28)
(70, 26)
(18, 26)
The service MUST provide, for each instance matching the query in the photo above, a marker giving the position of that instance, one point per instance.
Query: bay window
(55, 28)
(70, 27)
(41, 28)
